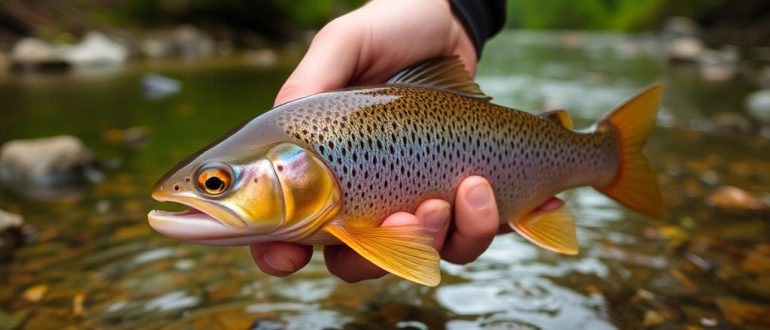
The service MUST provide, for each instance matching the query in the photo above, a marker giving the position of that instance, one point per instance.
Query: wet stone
(734, 198)
(44, 161)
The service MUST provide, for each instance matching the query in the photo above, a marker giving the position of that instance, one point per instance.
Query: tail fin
(635, 184)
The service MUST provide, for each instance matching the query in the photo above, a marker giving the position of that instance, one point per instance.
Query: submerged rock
(719, 65)
(680, 40)
(734, 198)
(758, 105)
(44, 161)
(156, 86)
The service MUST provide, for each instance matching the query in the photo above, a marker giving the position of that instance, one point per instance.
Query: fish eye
(214, 180)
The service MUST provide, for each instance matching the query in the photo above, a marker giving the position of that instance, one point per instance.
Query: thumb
(329, 63)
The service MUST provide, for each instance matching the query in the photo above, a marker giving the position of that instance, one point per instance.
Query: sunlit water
(96, 246)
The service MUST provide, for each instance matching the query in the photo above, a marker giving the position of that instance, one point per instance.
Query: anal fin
(550, 226)
(405, 251)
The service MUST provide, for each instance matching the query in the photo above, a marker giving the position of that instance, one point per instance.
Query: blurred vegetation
(275, 19)
(630, 15)
(278, 19)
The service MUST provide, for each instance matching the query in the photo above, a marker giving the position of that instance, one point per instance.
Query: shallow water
(99, 265)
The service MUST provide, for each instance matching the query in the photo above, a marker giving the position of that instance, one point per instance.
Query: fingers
(280, 258)
(329, 63)
(343, 262)
(435, 215)
(476, 221)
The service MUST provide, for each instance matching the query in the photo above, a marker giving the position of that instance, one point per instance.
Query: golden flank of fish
(329, 168)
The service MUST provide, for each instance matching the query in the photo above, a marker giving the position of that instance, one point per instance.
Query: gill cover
(309, 189)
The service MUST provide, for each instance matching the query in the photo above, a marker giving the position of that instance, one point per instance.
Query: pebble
(44, 161)
(758, 105)
(734, 198)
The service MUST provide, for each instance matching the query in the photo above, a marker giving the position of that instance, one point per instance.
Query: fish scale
(394, 147)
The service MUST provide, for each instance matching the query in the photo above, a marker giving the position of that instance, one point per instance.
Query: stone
(719, 65)
(43, 161)
(684, 49)
(96, 49)
(156, 86)
(32, 54)
(734, 198)
(758, 105)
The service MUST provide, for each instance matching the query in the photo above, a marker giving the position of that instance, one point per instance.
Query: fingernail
(479, 196)
(437, 219)
(277, 262)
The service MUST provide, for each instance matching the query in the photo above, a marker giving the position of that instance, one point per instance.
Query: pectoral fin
(405, 251)
(551, 227)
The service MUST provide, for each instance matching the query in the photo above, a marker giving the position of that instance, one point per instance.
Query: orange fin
(558, 117)
(635, 184)
(405, 251)
(551, 227)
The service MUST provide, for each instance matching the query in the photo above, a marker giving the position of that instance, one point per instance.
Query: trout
(329, 168)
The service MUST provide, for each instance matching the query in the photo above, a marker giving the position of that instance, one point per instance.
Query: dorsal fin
(558, 117)
(446, 73)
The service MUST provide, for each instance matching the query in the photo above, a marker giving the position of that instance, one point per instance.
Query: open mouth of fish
(197, 226)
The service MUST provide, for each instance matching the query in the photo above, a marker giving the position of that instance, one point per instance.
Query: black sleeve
(482, 19)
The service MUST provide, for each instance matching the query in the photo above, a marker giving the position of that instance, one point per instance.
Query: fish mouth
(197, 226)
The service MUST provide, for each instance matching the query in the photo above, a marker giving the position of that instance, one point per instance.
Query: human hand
(367, 46)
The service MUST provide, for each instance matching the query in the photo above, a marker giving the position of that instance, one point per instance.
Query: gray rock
(758, 105)
(719, 65)
(10, 220)
(44, 161)
(156, 86)
(96, 49)
(32, 54)
(684, 49)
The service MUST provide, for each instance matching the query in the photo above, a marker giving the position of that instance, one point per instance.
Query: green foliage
(621, 15)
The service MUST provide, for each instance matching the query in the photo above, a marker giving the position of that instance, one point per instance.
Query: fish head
(275, 192)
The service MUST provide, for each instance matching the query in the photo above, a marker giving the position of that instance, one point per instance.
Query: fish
(328, 168)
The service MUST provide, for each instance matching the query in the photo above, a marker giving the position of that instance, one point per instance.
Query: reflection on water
(95, 263)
